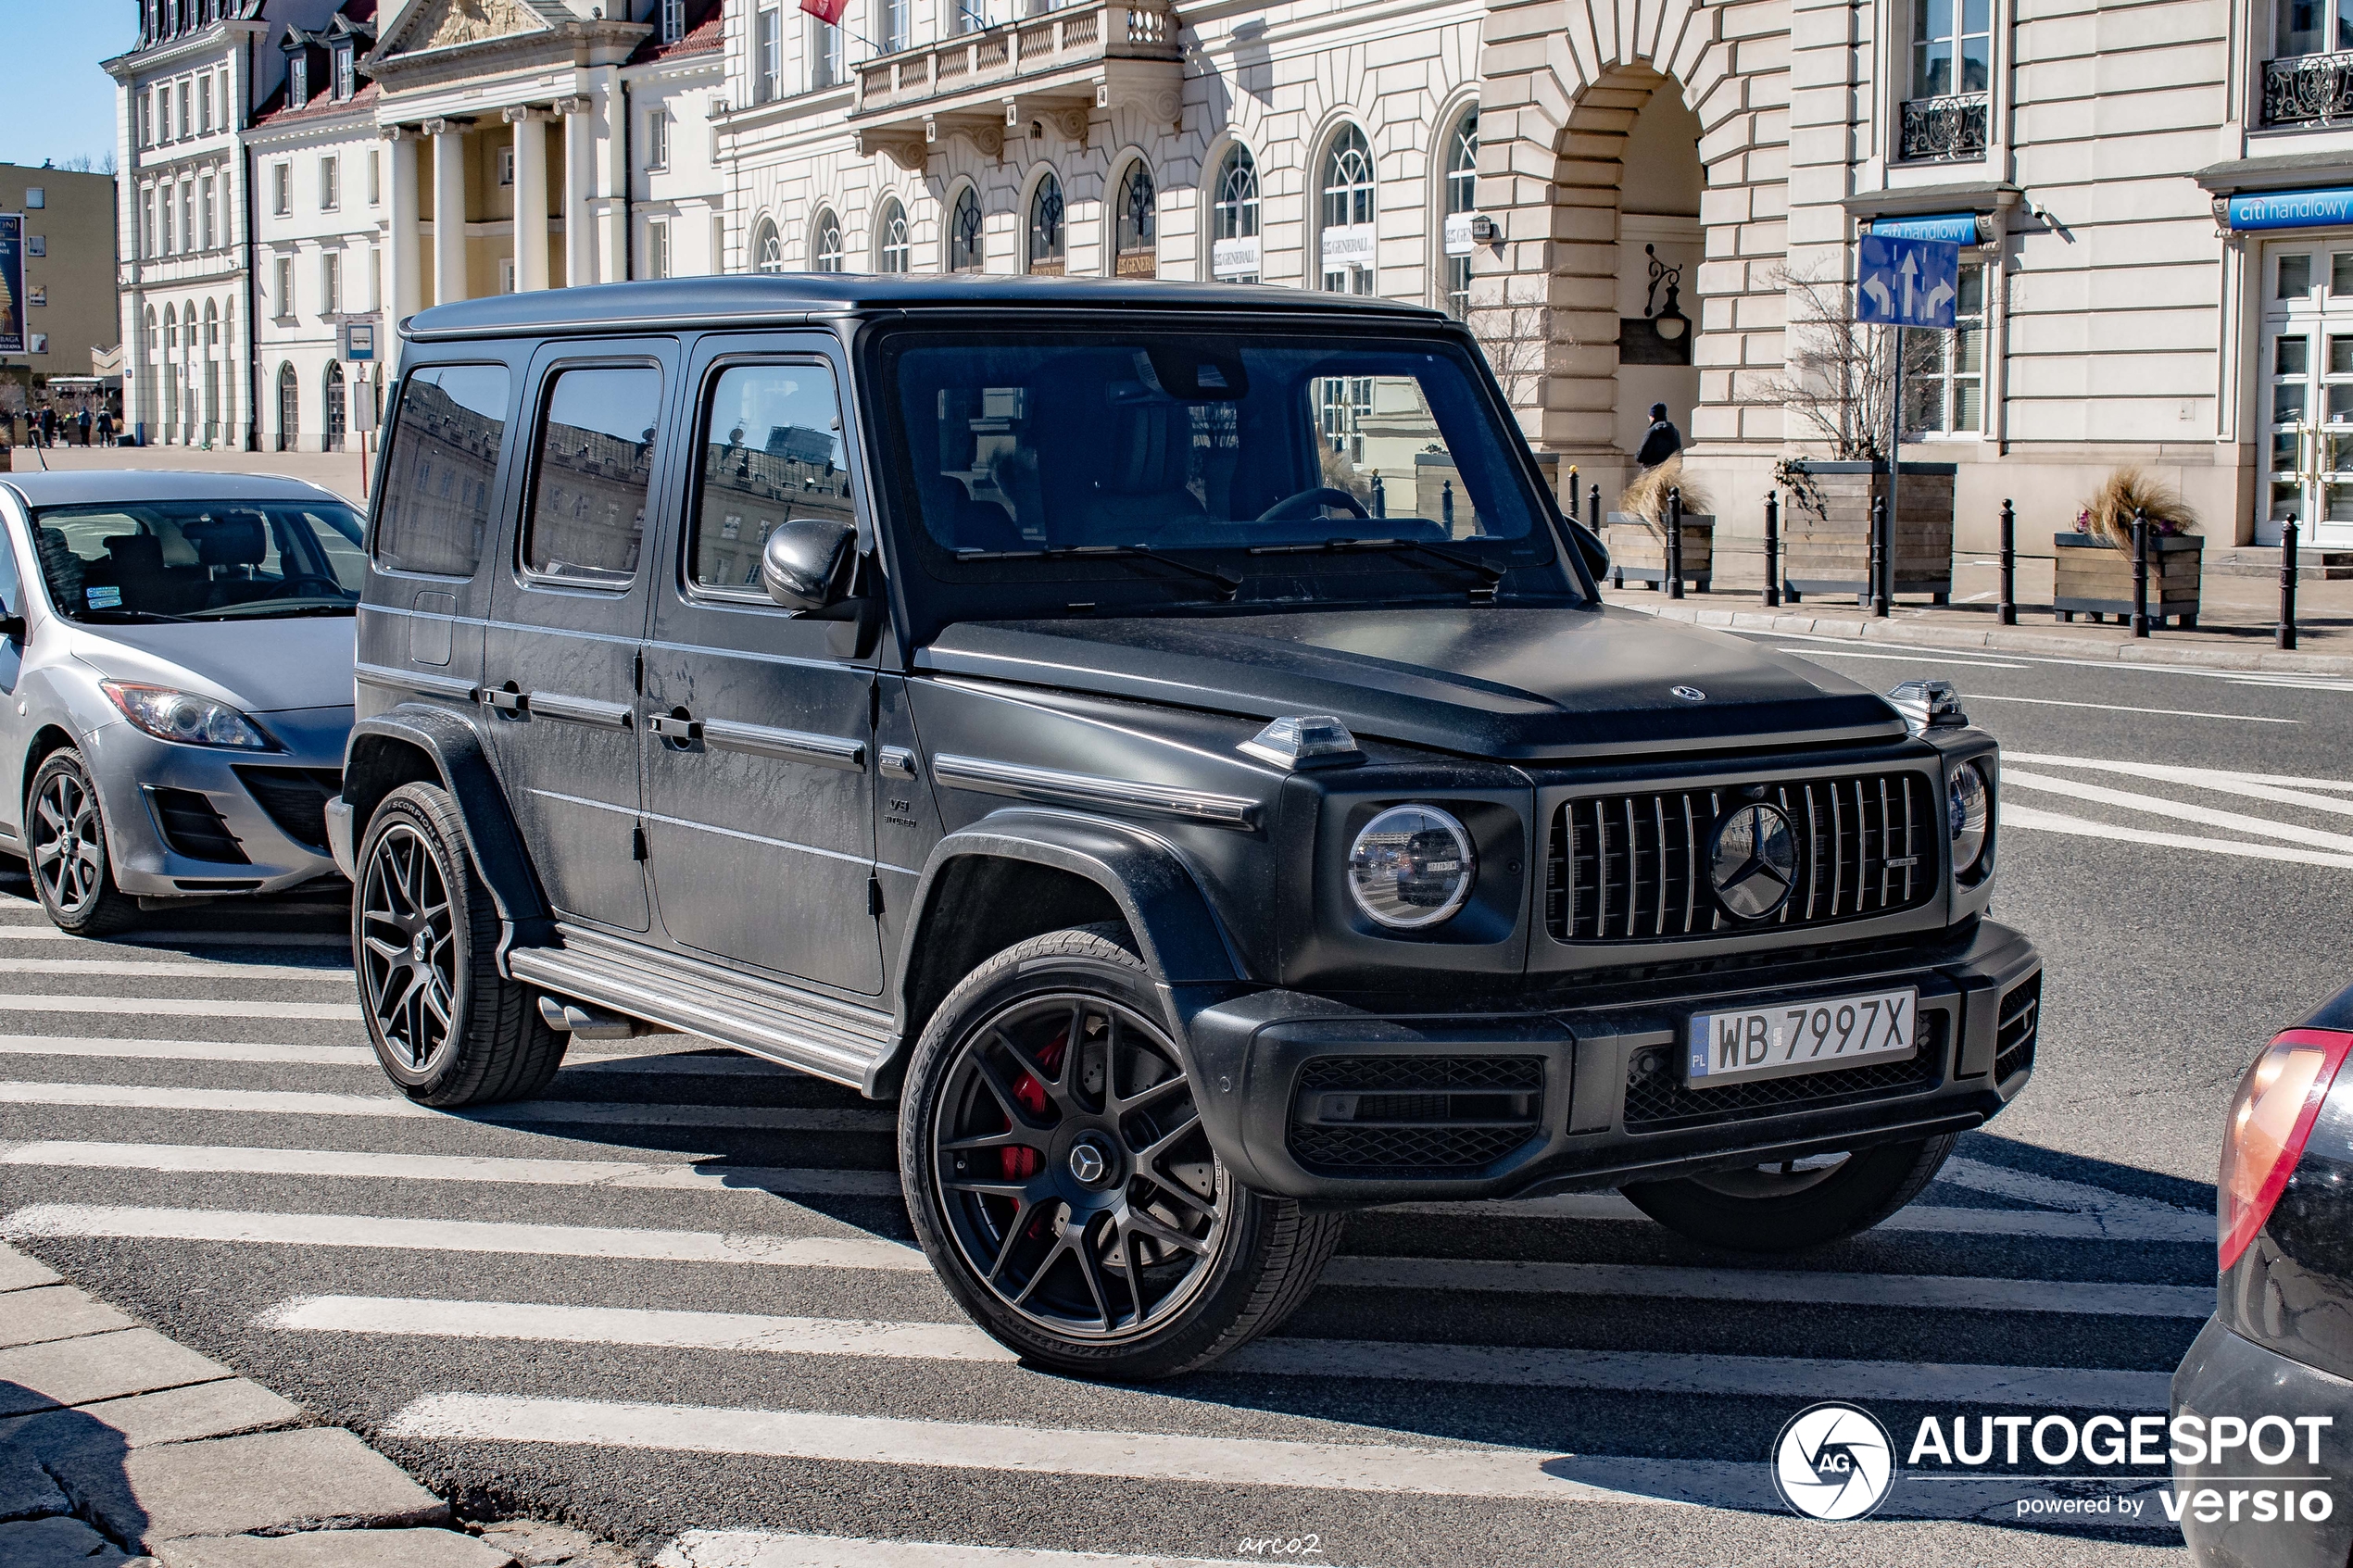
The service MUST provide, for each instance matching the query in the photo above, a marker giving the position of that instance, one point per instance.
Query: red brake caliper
(1019, 1161)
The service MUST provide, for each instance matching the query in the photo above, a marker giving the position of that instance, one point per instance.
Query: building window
(187, 96)
(1045, 253)
(967, 248)
(767, 248)
(375, 279)
(968, 16)
(331, 282)
(1233, 218)
(893, 253)
(285, 288)
(330, 183)
(228, 103)
(673, 20)
(375, 179)
(146, 121)
(187, 218)
(211, 238)
(657, 248)
(1135, 225)
(1347, 212)
(204, 105)
(1945, 372)
(656, 138)
(2309, 80)
(298, 78)
(824, 242)
(1945, 118)
(768, 46)
(1461, 201)
(824, 53)
(146, 224)
(507, 275)
(507, 164)
(282, 188)
(891, 22)
(346, 73)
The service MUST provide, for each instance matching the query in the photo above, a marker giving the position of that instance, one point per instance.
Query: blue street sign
(1907, 283)
(2289, 210)
(1953, 228)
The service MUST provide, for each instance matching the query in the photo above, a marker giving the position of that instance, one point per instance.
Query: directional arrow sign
(1907, 283)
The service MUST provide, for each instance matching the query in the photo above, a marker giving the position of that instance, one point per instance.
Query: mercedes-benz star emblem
(1087, 1162)
(1754, 864)
(1688, 694)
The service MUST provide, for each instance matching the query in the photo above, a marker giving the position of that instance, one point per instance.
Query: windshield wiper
(113, 612)
(1228, 583)
(1493, 574)
(270, 610)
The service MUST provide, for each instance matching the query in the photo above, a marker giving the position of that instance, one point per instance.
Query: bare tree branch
(1836, 382)
(1517, 340)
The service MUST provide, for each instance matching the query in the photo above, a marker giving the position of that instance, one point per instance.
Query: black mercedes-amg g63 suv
(1167, 737)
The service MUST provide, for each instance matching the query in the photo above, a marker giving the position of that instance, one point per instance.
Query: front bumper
(2225, 1375)
(185, 821)
(1581, 1089)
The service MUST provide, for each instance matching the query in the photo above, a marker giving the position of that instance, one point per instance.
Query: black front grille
(1415, 1115)
(2021, 1022)
(296, 800)
(1657, 1101)
(1634, 868)
(192, 828)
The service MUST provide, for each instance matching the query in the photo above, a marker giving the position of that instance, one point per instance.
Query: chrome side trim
(581, 710)
(1055, 788)
(791, 746)
(386, 678)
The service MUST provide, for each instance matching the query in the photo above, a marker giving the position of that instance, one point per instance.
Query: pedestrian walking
(82, 426)
(106, 428)
(1663, 440)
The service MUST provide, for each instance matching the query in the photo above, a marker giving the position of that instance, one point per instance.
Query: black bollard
(1675, 542)
(1446, 506)
(1381, 497)
(1593, 508)
(2286, 637)
(1873, 599)
(2140, 572)
(1772, 549)
(2007, 609)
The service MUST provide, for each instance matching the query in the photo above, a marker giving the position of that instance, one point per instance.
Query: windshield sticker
(102, 598)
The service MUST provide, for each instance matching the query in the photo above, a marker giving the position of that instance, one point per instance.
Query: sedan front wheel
(66, 845)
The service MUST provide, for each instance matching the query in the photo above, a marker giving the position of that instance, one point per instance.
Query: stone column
(403, 259)
(531, 197)
(580, 265)
(449, 208)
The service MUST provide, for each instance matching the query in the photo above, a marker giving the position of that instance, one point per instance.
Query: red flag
(830, 12)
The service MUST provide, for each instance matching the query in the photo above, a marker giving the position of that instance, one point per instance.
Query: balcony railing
(1944, 129)
(1060, 66)
(2307, 90)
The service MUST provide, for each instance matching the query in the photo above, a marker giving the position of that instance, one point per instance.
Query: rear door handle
(676, 728)
(507, 700)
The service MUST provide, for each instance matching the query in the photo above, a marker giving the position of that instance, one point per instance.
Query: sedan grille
(1634, 868)
(1657, 1101)
(296, 800)
(1390, 1116)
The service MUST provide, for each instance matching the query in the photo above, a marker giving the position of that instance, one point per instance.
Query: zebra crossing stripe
(761, 1549)
(2178, 1225)
(183, 1007)
(152, 969)
(634, 1326)
(461, 1236)
(2181, 810)
(2035, 819)
(693, 1057)
(295, 1103)
(17, 931)
(613, 1174)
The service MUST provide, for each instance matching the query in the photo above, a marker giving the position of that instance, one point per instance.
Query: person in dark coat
(1663, 441)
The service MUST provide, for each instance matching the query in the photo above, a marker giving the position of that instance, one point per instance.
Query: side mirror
(806, 563)
(12, 627)
(1589, 547)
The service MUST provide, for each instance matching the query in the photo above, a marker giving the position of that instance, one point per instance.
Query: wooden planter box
(2092, 577)
(1831, 552)
(1638, 550)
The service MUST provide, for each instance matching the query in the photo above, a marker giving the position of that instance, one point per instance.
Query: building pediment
(444, 24)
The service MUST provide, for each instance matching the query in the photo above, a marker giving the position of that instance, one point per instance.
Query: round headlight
(1969, 804)
(1412, 866)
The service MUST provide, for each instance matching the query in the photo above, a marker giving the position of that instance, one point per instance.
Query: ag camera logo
(1833, 1462)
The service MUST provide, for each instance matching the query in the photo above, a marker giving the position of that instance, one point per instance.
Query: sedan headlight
(1412, 866)
(1969, 803)
(185, 717)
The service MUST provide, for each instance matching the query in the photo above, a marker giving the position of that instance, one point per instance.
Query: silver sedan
(175, 685)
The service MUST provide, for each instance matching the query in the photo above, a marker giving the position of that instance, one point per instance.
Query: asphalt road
(730, 1354)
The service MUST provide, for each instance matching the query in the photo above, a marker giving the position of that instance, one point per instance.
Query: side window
(587, 517)
(11, 591)
(771, 450)
(436, 513)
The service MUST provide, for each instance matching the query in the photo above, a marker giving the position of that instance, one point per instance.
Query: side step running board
(832, 1039)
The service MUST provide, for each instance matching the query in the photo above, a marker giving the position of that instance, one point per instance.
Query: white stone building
(675, 85)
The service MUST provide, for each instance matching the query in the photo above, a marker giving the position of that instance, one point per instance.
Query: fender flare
(455, 749)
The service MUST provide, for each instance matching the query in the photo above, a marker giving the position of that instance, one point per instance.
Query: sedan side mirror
(12, 627)
(806, 563)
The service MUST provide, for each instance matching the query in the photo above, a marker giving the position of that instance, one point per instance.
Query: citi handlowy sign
(2289, 210)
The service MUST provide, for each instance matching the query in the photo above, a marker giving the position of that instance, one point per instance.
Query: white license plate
(1777, 1042)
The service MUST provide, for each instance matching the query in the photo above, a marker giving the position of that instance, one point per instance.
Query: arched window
(212, 328)
(337, 419)
(1461, 201)
(1046, 238)
(965, 251)
(824, 242)
(171, 328)
(767, 248)
(1348, 242)
(289, 407)
(893, 253)
(1135, 227)
(1233, 218)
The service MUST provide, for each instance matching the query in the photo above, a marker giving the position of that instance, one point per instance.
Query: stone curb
(1934, 635)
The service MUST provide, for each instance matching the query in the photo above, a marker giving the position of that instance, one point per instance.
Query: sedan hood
(260, 666)
(1496, 681)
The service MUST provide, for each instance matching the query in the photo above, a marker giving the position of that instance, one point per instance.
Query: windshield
(200, 560)
(1283, 456)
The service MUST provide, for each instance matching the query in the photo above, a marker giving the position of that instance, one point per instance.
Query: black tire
(1777, 1209)
(65, 833)
(1158, 1307)
(448, 1027)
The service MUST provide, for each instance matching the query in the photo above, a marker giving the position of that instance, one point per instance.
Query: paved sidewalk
(119, 1446)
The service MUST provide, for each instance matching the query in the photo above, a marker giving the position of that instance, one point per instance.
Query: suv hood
(1491, 681)
(260, 666)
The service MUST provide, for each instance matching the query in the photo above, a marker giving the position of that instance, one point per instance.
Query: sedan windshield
(200, 560)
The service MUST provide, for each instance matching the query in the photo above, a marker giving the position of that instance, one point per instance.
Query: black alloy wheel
(1795, 1204)
(406, 950)
(66, 841)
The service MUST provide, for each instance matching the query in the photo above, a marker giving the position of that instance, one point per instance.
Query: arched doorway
(1660, 246)
(337, 415)
(289, 407)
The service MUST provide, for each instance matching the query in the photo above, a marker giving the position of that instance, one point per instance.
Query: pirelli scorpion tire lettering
(1061, 1183)
(449, 1028)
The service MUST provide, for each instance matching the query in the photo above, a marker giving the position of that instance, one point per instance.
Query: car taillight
(2271, 1116)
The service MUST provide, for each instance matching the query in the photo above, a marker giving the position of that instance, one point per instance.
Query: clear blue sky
(57, 104)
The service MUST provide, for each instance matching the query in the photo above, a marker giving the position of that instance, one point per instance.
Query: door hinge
(637, 844)
(873, 896)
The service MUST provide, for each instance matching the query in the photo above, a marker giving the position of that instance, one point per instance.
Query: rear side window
(594, 468)
(436, 513)
(771, 450)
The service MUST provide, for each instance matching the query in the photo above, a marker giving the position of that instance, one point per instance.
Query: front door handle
(675, 727)
(508, 699)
